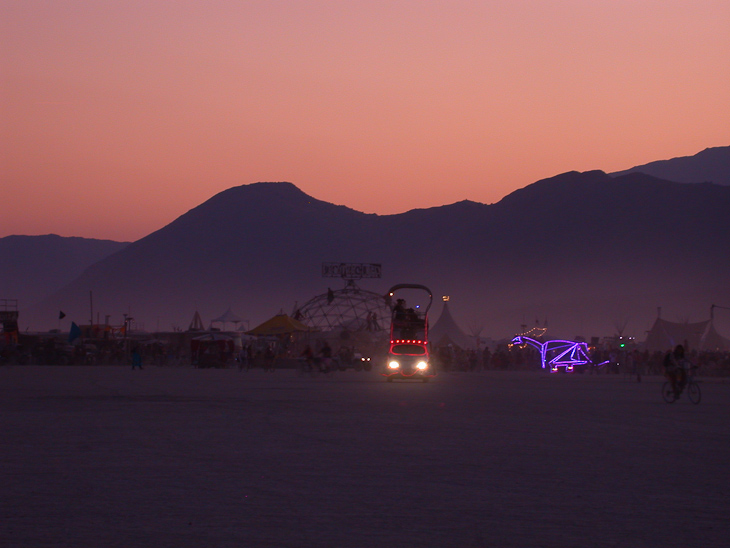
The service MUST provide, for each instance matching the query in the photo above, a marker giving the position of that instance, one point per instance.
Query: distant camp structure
(279, 325)
(695, 336)
(221, 323)
(9, 320)
(350, 308)
(228, 317)
(447, 332)
(197, 323)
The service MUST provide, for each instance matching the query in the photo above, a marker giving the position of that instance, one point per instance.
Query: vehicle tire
(694, 393)
(668, 393)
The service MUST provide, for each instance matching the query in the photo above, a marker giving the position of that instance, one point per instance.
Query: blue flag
(74, 333)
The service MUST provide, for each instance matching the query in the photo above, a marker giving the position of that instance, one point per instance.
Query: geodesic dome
(351, 309)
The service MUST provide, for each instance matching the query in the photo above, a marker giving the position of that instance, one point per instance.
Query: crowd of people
(619, 361)
(445, 358)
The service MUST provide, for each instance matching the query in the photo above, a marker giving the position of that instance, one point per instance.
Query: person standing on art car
(399, 310)
(676, 369)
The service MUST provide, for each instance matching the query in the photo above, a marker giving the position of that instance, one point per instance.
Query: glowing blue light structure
(555, 354)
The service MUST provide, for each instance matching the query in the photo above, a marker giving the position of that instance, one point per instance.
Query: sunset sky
(118, 117)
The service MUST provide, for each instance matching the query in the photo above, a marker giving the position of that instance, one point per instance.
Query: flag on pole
(61, 315)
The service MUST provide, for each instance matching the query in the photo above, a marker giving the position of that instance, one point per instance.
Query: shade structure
(281, 324)
(227, 317)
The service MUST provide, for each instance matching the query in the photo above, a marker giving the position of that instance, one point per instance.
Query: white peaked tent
(445, 331)
(227, 317)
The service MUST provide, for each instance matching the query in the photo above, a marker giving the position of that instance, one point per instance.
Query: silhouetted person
(326, 353)
(675, 369)
(374, 322)
(136, 359)
(308, 356)
(399, 310)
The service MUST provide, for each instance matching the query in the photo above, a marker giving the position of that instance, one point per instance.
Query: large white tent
(665, 335)
(446, 331)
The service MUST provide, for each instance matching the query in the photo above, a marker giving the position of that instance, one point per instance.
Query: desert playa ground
(107, 456)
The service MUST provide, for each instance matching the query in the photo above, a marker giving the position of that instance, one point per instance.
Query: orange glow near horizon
(118, 118)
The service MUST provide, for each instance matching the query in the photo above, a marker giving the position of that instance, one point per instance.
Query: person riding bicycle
(676, 369)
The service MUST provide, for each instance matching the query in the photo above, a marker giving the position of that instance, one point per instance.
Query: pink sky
(118, 117)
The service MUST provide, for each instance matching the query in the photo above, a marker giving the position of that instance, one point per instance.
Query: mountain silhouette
(34, 267)
(712, 165)
(585, 250)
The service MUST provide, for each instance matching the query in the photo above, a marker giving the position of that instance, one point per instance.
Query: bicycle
(690, 386)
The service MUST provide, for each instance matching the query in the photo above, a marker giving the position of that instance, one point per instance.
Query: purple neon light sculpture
(557, 353)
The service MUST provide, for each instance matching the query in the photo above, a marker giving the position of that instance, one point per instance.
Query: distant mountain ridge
(34, 267)
(712, 165)
(585, 250)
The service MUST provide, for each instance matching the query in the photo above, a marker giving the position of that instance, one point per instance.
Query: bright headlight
(394, 365)
(421, 366)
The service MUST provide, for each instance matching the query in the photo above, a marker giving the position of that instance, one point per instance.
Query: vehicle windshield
(410, 349)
